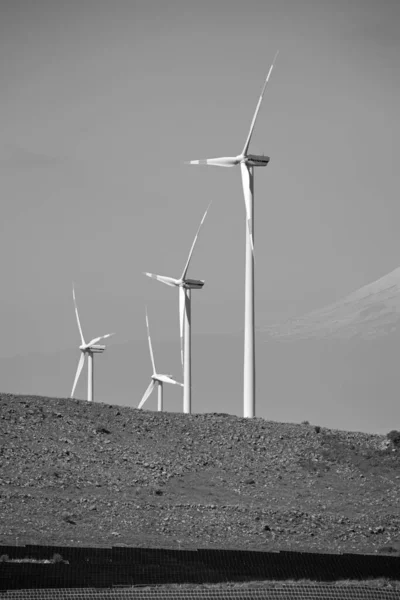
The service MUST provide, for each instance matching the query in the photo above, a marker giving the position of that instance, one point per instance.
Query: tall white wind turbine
(156, 378)
(185, 285)
(89, 349)
(247, 162)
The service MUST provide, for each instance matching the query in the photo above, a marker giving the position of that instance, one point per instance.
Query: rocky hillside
(74, 473)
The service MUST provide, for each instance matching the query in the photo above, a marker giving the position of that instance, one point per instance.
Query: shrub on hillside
(394, 437)
(57, 558)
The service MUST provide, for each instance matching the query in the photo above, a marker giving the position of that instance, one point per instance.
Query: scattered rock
(377, 530)
(101, 429)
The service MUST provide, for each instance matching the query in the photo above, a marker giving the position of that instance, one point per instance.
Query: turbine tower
(247, 162)
(156, 378)
(93, 347)
(185, 286)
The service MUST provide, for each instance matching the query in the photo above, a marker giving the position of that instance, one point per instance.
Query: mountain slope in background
(369, 312)
(78, 473)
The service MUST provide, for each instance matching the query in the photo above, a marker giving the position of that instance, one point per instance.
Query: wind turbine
(156, 378)
(247, 162)
(89, 349)
(185, 286)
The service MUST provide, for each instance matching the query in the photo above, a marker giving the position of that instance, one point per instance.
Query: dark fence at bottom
(285, 592)
(107, 567)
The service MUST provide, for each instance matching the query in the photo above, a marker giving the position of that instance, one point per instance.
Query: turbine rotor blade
(182, 298)
(149, 340)
(78, 372)
(247, 200)
(97, 339)
(223, 161)
(77, 316)
(194, 243)
(167, 379)
(147, 393)
(167, 280)
(246, 146)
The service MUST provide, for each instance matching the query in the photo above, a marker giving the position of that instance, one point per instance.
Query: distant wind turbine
(185, 286)
(247, 162)
(88, 349)
(156, 378)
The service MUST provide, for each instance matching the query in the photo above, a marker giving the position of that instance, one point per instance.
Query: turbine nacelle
(192, 284)
(253, 160)
(96, 348)
(195, 284)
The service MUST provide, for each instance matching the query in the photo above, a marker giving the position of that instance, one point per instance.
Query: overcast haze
(102, 102)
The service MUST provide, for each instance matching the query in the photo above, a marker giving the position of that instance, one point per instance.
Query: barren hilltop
(74, 473)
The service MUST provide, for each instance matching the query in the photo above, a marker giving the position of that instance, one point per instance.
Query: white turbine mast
(89, 349)
(247, 161)
(185, 285)
(156, 378)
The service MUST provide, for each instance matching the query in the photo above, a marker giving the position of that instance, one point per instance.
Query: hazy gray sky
(103, 101)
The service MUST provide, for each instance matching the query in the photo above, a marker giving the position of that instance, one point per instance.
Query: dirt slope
(75, 473)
